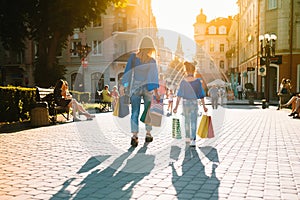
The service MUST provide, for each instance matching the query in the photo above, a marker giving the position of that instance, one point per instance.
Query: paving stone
(257, 160)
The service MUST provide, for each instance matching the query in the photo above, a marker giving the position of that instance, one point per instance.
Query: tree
(48, 24)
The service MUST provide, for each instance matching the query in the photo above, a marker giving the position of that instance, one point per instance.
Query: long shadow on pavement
(193, 183)
(115, 181)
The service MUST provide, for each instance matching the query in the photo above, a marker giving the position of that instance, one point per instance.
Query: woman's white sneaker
(193, 143)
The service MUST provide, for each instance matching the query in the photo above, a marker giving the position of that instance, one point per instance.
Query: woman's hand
(121, 90)
(157, 97)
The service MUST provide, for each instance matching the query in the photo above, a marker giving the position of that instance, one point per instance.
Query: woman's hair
(146, 48)
(59, 84)
(189, 67)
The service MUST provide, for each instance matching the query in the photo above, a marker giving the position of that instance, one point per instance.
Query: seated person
(63, 97)
(106, 97)
(295, 102)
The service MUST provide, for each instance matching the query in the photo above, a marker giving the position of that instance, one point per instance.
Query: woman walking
(141, 75)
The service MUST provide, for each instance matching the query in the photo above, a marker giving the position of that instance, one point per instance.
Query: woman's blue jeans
(136, 97)
(190, 113)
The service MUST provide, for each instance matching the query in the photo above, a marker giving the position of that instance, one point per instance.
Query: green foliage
(52, 75)
(48, 24)
(81, 96)
(15, 103)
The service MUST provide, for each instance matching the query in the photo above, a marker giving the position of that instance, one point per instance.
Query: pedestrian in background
(162, 86)
(240, 91)
(222, 94)
(170, 101)
(213, 92)
(190, 90)
(142, 84)
(284, 92)
(115, 95)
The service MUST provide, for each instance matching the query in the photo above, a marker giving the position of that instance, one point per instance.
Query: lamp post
(267, 50)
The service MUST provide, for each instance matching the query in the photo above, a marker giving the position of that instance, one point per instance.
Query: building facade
(212, 45)
(111, 39)
(260, 17)
(248, 33)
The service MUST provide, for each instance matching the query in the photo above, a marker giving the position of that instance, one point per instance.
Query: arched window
(97, 83)
(222, 30)
(212, 30)
(222, 64)
(77, 82)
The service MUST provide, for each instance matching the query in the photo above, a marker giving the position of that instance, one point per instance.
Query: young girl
(170, 105)
(190, 90)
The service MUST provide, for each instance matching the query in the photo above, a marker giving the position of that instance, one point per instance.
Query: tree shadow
(115, 181)
(190, 180)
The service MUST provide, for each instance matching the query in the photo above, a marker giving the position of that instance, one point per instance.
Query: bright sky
(177, 17)
(180, 15)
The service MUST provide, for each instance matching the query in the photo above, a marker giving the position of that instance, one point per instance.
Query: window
(222, 64)
(212, 30)
(222, 47)
(272, 4)
(74, 47)
(211, 47)
(96, 47)
(222, 30)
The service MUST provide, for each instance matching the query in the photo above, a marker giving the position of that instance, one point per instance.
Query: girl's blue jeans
(135, 99)
(190, 113)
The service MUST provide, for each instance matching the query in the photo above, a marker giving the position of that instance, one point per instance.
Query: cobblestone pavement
(255, 155)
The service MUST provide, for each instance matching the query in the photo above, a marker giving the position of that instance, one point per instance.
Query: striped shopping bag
(156, 107)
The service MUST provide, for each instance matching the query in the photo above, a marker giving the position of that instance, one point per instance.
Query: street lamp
(267, 50)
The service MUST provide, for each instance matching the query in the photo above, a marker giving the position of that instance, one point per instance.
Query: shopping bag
(116, 108)
(153, 119)
(150, 118)
(146, 108)
(176, 130)
(203, 127)
(123, 107)
(157, 107)
(210, 133)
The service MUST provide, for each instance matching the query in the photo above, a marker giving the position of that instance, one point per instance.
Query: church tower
(179, 52)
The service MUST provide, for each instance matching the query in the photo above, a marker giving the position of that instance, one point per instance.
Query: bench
(45, 97)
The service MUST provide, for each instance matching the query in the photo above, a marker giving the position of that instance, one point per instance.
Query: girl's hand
(204, 108)
(157, 97)
(175, 110)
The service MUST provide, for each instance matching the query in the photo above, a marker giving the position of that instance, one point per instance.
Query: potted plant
(250, 92)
